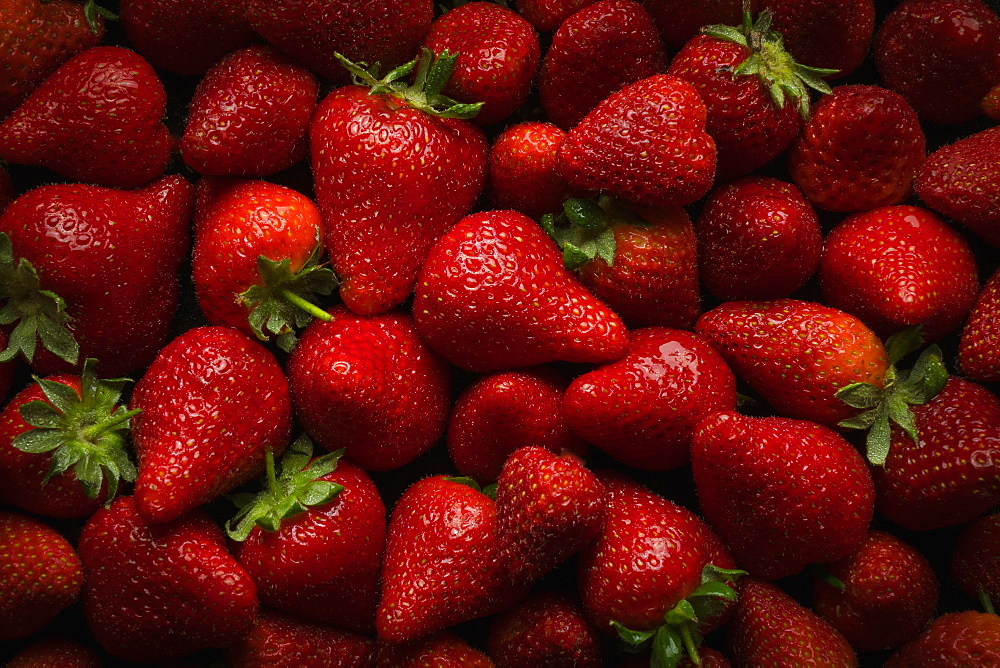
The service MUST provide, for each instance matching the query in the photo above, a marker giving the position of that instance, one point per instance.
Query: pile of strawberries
(567, 333)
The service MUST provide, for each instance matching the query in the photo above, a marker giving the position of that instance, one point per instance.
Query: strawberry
(880, 596)
(595, 52)
(943, 56)
(443, 649)
(41, 36)
(547, 628)
(256, 258)
(493, 295)
(88, 286)
(371, 386)
(40, 575)
(796, 354)
(499, 413)
(498, 54)
(548, 507)
(55, 652)
(185, 37)
(393, 170)
(990, 104)
(281, 639)
(643, 409)
(954, 639)
(962, 181)
(899, 266)
(645, 143)
(679, 20)
(833, 35)
(96, 119)
(770, 628)
(312, 539)
(975, 559)
(193, 437)
(758, 238)
(979, 343)
(547, 15)
(250, 114)
(860, 150)
(159, 592)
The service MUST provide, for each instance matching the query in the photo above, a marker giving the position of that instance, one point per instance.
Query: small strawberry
(213, 402)
(55, 652)
(547, 628)
(159, 592)
(975, 559)
(443, 649)
(40, 575)
(279, 639)
(979, 344)
(953, 639)
(97, 119)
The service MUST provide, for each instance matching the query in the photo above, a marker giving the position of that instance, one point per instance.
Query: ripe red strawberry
(975, 559)
(953, 639)
(501, 412)
(39, 37)
(835, 35)
(185, 37)
(781, 493)
(97, 119)
(391, 178)
(943, 56)
(796, 354)
(899, 266)
(645, 143)
(282, 639)
(498, 54)
(371, 386)
(89, 286)
(494, 295)
(770, 628)
(880, 596)
(315, 31)
(643, 409)
(213, 402)
(547, 15)
(250, 114)
(548, 507)
(962, 182)
(860, 150)
(55, 652)
(443, 649)
(758, 238)
(159, 592)
(595, 52)
(256, 258)
(979, 344)
(40, 575)
(547, 628)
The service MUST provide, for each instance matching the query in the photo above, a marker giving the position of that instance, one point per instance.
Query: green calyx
(91, 10)
(771, 63)
(40, 314)
(425, 93)
(290, 492)
(85, 432)
(890, 404)
(678, 636)
(583, 230)
(285, 300)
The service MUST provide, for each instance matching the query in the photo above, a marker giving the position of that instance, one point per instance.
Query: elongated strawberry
(953, 639)
(975, 559)
(283, 639)
(547, 628)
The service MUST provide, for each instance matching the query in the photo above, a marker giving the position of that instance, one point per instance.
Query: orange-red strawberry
(953, 639)
(443, 649)
(278, 638)
(823, 33)
(979, 344)
(547, 628)
(975, 559)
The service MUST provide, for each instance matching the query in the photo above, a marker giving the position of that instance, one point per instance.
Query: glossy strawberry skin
(97, 119)
(979, 343)
(820, 33)
(547, 628)
(494, 295)
(522, 170)
(953, 639)
(278, 638)
(975, 559)
(213, 401)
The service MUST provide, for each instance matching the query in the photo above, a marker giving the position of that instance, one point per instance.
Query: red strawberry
(796, 354)
(780, 493)
(390, 179)
(498, 56)
(97, 119)
(899, 266)
(975, 559)
(645, 143)
(493, 295)
(55, 652)
(943, 56)
(371, 386)
(860, 150)
(89, 286)
(547, 15)
(979, 345)
(443, 649)
(595, 52)
(185, 37)
(821, 33)
(159, 592)
(758, 238)
(548, 628)
(643, 409)
(40, 575)
(499, 413)
(880, 596)
(250, 114)
(770, 628)
(256, 253)
(213, 402)
(281, 639)
(953, 639)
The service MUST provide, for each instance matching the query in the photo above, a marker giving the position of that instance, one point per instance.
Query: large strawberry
(278, 638)
(97, 119)
(393, 170)
(547, 628)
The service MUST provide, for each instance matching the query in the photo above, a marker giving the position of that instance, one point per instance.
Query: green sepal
(467, 481)
(582, 231)
(289, 493)
(491, 491)
(986, 602)
(635, 641)
(91, 10)
(822, 573)
(668, 647)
